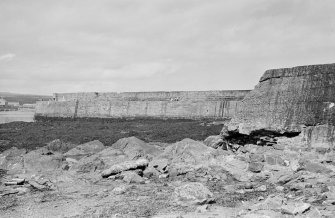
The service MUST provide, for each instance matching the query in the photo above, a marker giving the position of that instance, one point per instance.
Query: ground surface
(273, 178)
(37, 134)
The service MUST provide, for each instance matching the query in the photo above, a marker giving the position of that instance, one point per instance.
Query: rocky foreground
(189, 178)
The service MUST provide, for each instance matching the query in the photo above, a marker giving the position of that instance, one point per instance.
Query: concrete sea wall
(298, 99)
(290, 98)
(190, 105)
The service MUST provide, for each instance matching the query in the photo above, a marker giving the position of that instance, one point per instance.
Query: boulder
(256, 158)
(313, 213)
(313, 167)
(99, 161)
(280, 188)
(224, 132)
(120, 189)
(280, 147)
(255, 167)
(88, 165)
(193, 193)
(294, 208)
(186, 156)
(8, 192)
(261, 177)
(150, 172)
(181, 169)
(110, 156)
(131, 177)
(59, 146)
(322, 150)
(161, 165)
(124, 166)
(272, 202)
(296, 186)
(42, 161)
(202, 208)
(135, 148)
(15, 181)
(273, 159)
(250, 148)
(163, 176)
(261, 188)
(86, 149)
(188, 151)
(237, 168)
(12, 160)
(284, 177)
(214, 141)
(294, 165)
(330, 158)
(36, 185)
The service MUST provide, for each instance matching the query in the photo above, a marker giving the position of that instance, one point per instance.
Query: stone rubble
(193, 193)
(267, 180)
(125, 166)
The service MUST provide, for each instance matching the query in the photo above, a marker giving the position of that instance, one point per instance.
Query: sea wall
(298, 99)
(154, 96)
(190, 105)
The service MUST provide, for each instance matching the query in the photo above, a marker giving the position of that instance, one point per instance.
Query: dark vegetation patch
(108, 131)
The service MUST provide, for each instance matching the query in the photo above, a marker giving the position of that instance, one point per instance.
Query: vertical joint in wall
(109, 108)
(76, 109)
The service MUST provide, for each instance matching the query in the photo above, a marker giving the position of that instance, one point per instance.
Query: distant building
(3, 102)
(13, 104)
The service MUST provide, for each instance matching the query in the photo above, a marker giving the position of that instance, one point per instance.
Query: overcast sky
(157, 45)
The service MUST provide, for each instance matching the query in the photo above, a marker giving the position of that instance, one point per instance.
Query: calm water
(11, 116)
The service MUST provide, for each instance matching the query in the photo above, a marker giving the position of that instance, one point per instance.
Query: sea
(12, 116)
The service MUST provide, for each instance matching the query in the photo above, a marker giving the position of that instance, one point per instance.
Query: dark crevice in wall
(264, 132)
(260, 137)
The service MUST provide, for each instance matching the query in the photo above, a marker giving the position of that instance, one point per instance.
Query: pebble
(280, 188)
(202, 208)
(261, 188)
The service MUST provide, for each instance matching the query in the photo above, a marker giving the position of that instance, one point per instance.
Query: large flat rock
(135, 148)
(86, 149)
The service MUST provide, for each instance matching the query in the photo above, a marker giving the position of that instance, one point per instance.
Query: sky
(157, 45)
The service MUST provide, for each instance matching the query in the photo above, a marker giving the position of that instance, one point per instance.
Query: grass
(108, 131)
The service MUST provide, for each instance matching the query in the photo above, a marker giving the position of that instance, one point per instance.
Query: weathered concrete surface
(292, 100)
(153, 96)
(56, 109)
(202, 104)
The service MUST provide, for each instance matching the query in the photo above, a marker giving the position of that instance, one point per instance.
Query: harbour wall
(183, 104)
